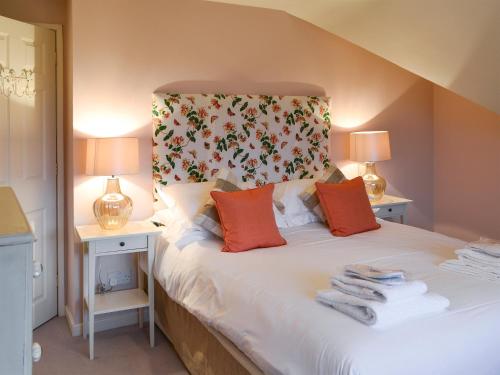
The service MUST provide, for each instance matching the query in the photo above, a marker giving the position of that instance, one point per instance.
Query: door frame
(58, 29)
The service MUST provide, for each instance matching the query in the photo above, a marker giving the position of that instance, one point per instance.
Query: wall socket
(119, 277)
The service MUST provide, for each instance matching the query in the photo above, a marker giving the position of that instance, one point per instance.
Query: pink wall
(122, 54)
(466, 166)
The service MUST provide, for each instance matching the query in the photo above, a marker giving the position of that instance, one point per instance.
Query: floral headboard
(260, 138)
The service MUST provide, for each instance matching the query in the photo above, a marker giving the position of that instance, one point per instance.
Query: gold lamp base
(113, 209)
(375, 185)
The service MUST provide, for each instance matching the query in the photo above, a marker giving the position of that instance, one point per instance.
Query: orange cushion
(247, 219)
(346, 207)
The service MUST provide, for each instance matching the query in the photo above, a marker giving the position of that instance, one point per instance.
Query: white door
(28, 147)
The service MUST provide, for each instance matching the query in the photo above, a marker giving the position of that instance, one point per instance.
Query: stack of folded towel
(480, 259)
(380, 297)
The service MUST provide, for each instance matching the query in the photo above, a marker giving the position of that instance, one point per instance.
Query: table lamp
(368, 147)
(111, 157)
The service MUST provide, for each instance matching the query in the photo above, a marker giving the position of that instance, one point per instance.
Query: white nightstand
(390, 207)
(132, 238)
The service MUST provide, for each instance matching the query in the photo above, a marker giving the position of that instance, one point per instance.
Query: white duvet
(263, 301)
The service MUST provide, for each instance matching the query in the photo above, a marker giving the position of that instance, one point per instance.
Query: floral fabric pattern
(261, 139)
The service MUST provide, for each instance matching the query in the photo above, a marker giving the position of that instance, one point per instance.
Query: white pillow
(288, 193)
(279, 217)
(182, 202)
(188, 198)
(178, 229)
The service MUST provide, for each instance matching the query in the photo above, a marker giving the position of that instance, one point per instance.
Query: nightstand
(134, 237)
(390, 207)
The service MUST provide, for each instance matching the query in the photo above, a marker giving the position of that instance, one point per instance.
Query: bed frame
(261, 139)
(202, 349)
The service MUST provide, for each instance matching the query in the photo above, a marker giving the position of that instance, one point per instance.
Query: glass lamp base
(113, 209)
(375, 185)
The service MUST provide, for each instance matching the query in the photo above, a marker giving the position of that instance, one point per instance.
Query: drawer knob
(390, 209)
(122, 243)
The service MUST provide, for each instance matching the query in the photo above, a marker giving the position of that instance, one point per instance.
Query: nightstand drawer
(390, 211)
(121, 244)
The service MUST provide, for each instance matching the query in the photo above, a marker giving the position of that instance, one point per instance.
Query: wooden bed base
(203, 350)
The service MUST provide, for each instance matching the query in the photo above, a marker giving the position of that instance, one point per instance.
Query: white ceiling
(453, 43)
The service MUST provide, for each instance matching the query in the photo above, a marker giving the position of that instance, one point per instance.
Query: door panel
(28, 160)
(36, 220)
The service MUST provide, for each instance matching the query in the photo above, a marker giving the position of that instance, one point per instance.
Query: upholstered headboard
(260, 138)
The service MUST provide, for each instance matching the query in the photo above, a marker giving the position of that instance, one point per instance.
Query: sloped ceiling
(453, 43)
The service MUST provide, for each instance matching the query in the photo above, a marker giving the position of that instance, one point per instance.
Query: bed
(263, 302)
(254, 312)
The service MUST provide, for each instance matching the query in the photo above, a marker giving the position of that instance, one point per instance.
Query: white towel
(480, 266)
(376, 291)
(487, 246)
(458, 265)
(388, 281)
(377, 274)
(478, 257)
(383, 315)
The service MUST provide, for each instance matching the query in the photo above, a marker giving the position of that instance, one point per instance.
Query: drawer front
(121, 244)
(390, 211)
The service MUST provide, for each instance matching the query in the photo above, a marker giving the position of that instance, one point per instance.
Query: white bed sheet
(263, 301)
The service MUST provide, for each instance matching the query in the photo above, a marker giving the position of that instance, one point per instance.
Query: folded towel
(458, 265)
(478, 257)
(480, 266)
(487, 246)
(382, 315)
(374, 274)
(376, 291)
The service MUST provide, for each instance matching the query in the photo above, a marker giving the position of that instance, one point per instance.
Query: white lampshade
(370, 146)
(112, 156)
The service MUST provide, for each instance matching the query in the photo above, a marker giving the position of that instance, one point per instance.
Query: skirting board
(106, 321)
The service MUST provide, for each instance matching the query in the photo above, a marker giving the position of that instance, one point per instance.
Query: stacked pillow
(247, 219)
(250, 218)
(295, 213)
(176, 208)
(343, 204)
(333, 175)
(346, 207)
(208, 218)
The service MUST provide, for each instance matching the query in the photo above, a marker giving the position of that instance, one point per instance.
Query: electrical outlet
(119, 277)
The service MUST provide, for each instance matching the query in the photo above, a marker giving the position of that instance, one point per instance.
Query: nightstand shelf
(119, 301)
(134, 237)
(390, 207)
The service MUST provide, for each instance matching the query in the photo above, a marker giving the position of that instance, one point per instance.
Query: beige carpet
(119, 351)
